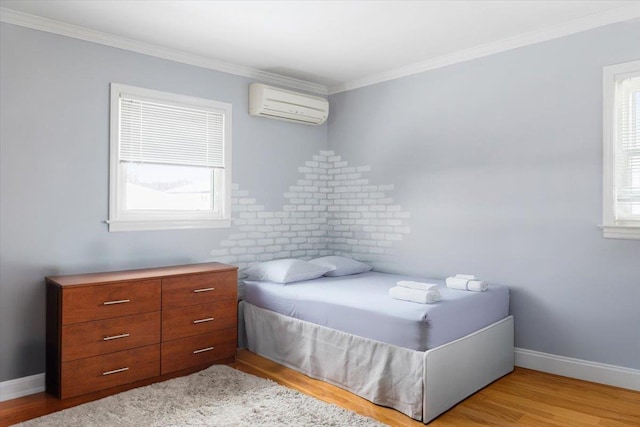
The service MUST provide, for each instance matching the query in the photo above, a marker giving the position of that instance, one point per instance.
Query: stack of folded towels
(424, 293)
(466, 282)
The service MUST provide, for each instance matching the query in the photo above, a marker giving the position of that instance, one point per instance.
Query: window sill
(620, 231)
(148, 225)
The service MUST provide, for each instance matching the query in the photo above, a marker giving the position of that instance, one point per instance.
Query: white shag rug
(216, 396)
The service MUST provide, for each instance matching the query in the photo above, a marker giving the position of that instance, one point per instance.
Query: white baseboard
(602, 373)
(21, 387)
(567, 367)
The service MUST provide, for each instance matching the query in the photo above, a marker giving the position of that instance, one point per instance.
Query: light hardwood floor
(522, 398)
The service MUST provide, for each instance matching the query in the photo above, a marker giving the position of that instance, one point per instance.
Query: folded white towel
(465, 276)
(416, 285)
(466, 284)
(415, 295)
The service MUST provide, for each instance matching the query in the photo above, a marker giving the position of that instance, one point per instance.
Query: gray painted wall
(480, 154)
(54, 146)
(499, 161)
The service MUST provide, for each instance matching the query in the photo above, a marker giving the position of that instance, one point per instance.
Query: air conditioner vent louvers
(273, 116)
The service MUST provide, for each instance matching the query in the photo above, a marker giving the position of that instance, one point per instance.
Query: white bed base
(421, 385)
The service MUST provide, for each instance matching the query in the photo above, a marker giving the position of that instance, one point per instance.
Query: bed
(420, 359)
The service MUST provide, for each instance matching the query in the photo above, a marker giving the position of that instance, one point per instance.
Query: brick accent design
(331, 210)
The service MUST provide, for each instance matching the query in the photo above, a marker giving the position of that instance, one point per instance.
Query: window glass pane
(167, 187)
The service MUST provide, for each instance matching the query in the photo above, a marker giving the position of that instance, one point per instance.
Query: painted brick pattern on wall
(363, 221)
(331, 210)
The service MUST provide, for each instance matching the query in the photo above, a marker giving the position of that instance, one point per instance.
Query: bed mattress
(360, 304)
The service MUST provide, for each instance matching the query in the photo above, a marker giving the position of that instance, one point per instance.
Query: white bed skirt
(421, 385)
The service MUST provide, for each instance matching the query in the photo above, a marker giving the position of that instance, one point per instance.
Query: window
(621, 91)
(170, 161)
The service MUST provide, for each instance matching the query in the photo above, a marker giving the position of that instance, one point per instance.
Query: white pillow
(285, 271)
(341, 266)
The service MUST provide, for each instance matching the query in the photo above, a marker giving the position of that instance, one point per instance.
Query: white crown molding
(611, 16)
(11, 16)
(19, 387)
(625, 13)
(602, 373)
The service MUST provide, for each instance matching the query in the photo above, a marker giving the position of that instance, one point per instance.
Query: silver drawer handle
(204, 290)
(202, 350)
(122, 301)
(208, 319)
(115, 371)
(114, 337)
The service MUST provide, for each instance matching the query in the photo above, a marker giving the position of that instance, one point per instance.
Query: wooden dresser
(109, 329)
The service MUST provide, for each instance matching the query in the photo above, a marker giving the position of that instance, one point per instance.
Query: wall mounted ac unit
(282, 104)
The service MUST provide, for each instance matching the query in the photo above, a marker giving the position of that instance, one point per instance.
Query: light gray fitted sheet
(360, 304)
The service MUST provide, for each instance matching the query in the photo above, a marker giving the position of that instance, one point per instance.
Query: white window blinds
(151, 132)
(627, 148)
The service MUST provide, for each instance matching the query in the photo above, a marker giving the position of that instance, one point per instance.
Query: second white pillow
(341, 266)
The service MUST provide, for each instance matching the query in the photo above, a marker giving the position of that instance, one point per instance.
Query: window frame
(611, 227)
(120, 219)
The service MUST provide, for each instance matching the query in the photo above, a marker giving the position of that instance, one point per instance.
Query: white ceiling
(335, 45)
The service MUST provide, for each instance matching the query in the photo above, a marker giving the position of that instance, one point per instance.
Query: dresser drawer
(198, 350)
(87, 303)
(108, 336)
(100, 372)
(198, 319)
(198, 289)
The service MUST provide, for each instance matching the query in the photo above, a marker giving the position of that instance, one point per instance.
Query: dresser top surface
(141, 274)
